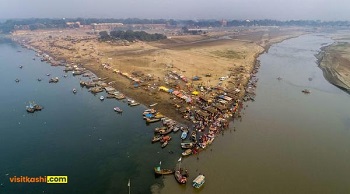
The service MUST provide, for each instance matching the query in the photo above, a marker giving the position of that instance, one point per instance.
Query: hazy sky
(179, 9)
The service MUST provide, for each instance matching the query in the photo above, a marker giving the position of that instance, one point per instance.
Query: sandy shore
(229, 53)
(334, 60)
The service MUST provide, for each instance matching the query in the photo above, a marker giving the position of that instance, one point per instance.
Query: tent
(164, 89)
(195, 93)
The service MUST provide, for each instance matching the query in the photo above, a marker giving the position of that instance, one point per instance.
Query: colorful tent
(195, 93)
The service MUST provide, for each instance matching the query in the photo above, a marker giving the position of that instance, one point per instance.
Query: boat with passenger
(159, 171)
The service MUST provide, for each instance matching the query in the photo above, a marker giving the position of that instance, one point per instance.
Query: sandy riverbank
(233, 56)
(334, 60)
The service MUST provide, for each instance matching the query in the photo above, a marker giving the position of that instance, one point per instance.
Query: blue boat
(184, 134)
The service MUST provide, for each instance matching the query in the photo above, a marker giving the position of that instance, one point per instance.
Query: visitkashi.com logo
(39, 179)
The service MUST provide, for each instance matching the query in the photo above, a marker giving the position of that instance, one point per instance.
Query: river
(75, 135)
(287, 141)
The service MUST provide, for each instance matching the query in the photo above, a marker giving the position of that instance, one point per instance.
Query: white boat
(74, 90)
(133, 103)
(117, 109)
(198, 181)
(102, 98)
(153, 104)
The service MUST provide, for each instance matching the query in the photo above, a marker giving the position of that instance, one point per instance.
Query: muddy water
(287, 141)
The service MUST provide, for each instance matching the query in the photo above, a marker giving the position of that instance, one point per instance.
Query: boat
(33, 107)
(152, 120)
(306, 91)
(187, 152)
(198, 181)
(102, 98)
(194, 135)
(160, 171)
(165, 138)
(167, 131)
(153, 104)
(117, 109)
(158, 129)
(182, 179)
(165, 144)
(20, 66)
(17, 80)
(74, 90)
(133, 103)
(54, 80)
(176, 128)
(184, 134)
(187, 145)
(156, 138)
(147, 111)
(158, 115)
(39, 79)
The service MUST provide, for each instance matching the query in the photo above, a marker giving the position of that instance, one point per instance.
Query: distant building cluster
(106, 26)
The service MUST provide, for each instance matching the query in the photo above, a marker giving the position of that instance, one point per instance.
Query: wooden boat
(306, 91)
(38, 107)
(167, 131)
(156, 138)
(152, 111)
(110, 96)
(165, 138)
(117, 109)
(160, 171)
(134, 104)
(176, 128)
(120, 96)
(53, 80)
(198, 181)
(165, 144)
(153, 104)
(184, 134)
(152, 120)
(187, 152)
(158, 129)
(180, 178)
(158, 116)
(194, 135)
(33, 107)
(187, 145)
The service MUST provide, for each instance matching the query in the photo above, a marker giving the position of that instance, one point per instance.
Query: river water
(75, 135)
(287, 141)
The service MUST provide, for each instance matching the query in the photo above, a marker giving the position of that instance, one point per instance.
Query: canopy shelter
(195, 93)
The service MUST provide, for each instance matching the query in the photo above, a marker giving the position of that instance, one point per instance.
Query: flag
(179, 159)
(129, 183)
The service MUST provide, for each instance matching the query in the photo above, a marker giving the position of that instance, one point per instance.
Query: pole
(129, 185)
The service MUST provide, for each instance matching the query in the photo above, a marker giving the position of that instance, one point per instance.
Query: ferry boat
(198, 181)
